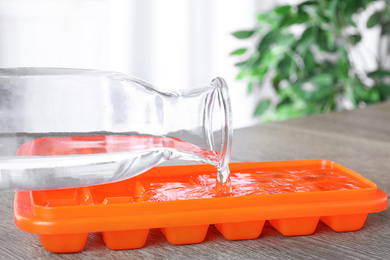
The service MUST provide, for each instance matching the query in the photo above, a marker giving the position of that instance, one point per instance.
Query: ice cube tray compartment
(182, 202)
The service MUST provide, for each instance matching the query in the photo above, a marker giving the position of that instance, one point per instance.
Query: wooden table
(359, 140)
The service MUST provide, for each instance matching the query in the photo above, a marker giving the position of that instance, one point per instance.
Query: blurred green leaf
(250, 87)
(385, 29)
(252, 74)
(298, 18)
(332, 9)
(262, 107)
(284, 9)
(262, 17)
(241, 75)
(373, 20)
(240, 64)
(351, 8)
(316, 15)
(342, 68)
(349, 93)
(269, 60)
(289, 110)
(261, 75)
(276, 81)
(322, 93)
(322, 80)
(322, 88)
(386, 13)
(267, 40)
(271, 18)
(285, 66)
(286, 111)
(384, 89)
(277, 17)
(330, 40)
(296, 93)
(374, 95)
(365, 94)
(309, 60)
(379, 73)
(307, 39)
(353, 39)
(238, 52)
(284, 42)
(325, 41)
(243, 34)
(307, 3)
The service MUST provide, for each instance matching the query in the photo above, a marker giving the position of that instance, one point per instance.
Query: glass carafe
(84, 127)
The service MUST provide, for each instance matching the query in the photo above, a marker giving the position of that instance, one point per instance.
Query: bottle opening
(222, 118)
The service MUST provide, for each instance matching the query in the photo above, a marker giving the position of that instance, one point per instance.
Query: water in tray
(248, 183)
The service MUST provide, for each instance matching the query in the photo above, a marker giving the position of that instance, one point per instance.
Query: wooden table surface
(359, 140)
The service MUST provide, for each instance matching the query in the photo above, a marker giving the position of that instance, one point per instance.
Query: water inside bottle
(103, 159)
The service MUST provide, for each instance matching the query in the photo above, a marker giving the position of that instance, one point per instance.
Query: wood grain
(358, 139)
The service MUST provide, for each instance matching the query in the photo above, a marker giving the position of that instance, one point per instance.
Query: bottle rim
(227, 129)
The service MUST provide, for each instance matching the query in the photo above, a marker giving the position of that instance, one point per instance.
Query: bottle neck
(200, 116)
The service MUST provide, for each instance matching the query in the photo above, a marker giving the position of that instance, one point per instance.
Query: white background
(173, 44)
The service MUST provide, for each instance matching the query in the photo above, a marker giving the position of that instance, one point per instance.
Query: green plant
(312, 71)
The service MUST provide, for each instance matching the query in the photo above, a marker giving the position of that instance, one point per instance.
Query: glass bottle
(73, 127)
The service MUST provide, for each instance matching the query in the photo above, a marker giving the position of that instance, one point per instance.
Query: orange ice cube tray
(182, 201)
